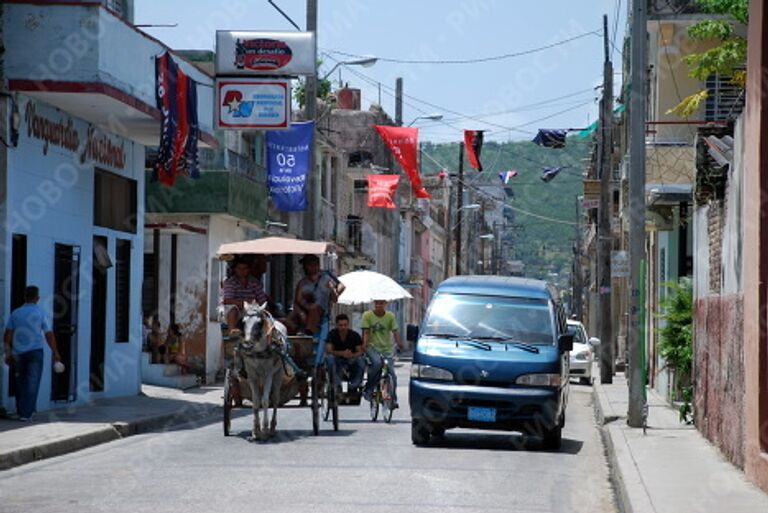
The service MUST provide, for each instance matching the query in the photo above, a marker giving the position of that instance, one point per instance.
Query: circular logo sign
(262, 54)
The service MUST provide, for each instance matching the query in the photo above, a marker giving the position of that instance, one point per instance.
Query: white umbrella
(366, 286)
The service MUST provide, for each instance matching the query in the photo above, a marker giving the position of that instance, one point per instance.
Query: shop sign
(250, 103)
(241, 53)
(62, 132)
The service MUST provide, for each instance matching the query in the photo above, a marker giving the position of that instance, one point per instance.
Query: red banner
(403, 142)
(381, 190)
(473, 142)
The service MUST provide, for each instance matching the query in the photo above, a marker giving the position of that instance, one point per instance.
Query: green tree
(676, 338)
(725, 59)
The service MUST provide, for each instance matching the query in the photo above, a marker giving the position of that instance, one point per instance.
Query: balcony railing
(665, 8)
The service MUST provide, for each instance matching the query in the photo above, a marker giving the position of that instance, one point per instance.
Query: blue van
(492, 353)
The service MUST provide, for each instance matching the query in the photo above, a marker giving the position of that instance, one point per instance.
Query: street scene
(292, 255)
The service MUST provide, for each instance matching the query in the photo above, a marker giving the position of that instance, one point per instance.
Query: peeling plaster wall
(719, 316)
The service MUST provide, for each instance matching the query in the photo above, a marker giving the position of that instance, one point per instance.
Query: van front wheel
(553, 438)
(419, 433)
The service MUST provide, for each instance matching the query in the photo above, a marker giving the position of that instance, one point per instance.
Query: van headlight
(430, 372)
(540, 380)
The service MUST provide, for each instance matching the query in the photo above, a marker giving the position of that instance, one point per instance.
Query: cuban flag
(176, 95)
(505, 176)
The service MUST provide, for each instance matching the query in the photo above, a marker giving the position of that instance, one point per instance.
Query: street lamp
(432, 117)
(365, 62)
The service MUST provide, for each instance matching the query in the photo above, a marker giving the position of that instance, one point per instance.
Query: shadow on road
(291, 435)
(501, 442)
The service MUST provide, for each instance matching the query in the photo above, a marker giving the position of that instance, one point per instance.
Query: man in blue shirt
(25, 331)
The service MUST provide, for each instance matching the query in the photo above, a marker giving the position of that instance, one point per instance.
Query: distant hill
(544, 245)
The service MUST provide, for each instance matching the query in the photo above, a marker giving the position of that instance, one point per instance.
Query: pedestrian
(379, 329)
(344, 349)
(25, 331)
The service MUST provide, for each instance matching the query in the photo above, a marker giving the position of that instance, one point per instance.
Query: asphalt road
(365, 466)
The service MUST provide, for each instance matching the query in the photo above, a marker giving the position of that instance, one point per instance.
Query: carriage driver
(242, 286)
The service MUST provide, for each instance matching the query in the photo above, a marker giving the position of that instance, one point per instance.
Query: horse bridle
(248, 347)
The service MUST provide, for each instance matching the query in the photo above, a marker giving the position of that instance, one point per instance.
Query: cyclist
(379, 328)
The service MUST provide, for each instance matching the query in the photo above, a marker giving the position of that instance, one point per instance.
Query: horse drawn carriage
(268, 368)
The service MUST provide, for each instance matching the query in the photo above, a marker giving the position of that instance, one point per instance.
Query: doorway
(66, 288)
(101, 262)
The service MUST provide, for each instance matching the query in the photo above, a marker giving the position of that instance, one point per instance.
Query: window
(355, 233)
(361, 185)
(114, 202)
(122, 290)
(725, 99)
(360, 159)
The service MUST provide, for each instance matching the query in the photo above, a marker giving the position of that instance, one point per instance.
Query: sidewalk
(66, 430)
(671, 469)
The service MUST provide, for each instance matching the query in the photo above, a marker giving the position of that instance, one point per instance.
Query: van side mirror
(412, 333)
(594, 341)
(565, 342)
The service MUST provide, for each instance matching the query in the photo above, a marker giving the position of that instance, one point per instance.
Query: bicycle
(383, 395)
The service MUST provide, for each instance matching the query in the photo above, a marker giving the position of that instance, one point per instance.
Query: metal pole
(312, 225)
(448, 224)
(637, 212)
(577, 285)
(459, 205)
(604, 245)
(399, 101)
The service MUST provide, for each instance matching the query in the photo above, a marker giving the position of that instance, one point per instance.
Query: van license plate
(481, 414)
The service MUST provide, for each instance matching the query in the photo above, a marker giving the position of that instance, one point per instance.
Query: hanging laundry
(473, 141)
(176, 96)
(551, 137)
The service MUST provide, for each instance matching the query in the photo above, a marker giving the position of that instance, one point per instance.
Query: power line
(471, 61)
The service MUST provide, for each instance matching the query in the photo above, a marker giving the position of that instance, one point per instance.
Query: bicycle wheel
(328, 398)
(228, 402)
(375, 398)
(315, 402)
(387, 401)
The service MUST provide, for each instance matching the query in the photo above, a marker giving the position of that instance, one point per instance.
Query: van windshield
(490, 317)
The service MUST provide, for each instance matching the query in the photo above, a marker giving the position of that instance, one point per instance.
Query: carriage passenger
(344, 352)
(240, 287)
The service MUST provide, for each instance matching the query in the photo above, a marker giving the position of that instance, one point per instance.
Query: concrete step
(165, 375)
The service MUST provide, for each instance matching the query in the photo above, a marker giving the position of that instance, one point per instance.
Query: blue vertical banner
(288, 165)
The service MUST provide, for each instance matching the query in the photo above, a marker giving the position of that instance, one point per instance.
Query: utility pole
(577, 285)
(604, 222)
(448, 224)
(312, 225)
(636, 346)
(399, 101)
(459, 205)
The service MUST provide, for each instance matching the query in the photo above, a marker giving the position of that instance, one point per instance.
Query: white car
(582, 355)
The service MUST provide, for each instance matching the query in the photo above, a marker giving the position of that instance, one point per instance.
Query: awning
(274, 246)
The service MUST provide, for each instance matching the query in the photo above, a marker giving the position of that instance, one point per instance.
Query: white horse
(263, 337)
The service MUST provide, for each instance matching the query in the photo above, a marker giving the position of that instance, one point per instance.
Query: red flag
(403, 142)
(381, 190)
(473, 141)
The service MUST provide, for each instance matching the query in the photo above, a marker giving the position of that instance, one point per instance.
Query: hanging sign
(249, 103)
(381, 190)
(264, 53)
(288, 164)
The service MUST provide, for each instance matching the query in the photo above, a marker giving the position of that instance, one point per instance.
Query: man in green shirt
(379, 328)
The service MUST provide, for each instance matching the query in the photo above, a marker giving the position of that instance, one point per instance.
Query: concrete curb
(43, 451)
(617, 477)
(108, 432)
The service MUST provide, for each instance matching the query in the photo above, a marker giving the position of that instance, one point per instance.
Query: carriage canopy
(274, 246)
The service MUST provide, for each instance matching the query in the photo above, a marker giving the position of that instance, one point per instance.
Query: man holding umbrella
(379, 328)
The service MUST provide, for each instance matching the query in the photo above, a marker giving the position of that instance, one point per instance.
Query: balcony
(672, 9)
(670, 163)
(215, 192)
(54, 54)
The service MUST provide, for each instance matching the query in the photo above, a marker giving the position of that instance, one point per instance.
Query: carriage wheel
(387, 400)
(228, 402)
(315, 403)
(329, 398)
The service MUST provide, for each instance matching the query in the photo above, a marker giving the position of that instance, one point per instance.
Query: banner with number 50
(288, 165)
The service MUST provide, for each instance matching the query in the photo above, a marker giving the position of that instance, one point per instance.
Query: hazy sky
(512, 94)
